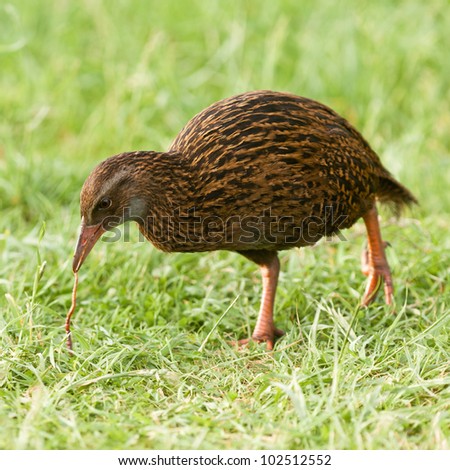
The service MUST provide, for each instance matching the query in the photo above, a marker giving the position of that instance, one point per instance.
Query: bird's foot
(374, 262)
(365, 265)
(378, 272)
(268, 337)
(376, 276)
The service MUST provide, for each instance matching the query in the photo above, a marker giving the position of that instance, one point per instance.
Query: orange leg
(374, 262)
(265, 330)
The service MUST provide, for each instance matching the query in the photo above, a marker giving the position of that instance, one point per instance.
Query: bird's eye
(104, 203)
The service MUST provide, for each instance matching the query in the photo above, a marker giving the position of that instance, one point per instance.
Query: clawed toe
(376, 278)
(269, 339)
(242, 343)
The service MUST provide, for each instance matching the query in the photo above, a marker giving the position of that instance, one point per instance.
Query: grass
(152, 367)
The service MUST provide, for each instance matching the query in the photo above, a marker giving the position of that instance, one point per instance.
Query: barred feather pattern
(258, 171)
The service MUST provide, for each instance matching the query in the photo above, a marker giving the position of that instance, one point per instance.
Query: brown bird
(255, 173)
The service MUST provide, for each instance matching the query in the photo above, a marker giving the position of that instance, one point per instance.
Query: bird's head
(111, 195)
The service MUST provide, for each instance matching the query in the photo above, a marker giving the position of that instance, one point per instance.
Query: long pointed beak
(86, 241)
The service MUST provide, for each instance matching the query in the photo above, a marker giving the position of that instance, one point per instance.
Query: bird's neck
(169, 187)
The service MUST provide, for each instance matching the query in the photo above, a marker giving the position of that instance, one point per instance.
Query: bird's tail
(394, 194)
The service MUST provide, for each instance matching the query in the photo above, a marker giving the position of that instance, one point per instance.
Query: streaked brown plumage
(255, 173)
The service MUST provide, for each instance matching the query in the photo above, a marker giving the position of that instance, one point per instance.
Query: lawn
(82, 80)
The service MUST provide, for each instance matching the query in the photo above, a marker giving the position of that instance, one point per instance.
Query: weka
(255, 173)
